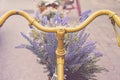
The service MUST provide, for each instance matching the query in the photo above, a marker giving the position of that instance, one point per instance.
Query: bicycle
(61, 31)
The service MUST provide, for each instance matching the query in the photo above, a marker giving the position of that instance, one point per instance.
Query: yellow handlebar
(60, 31)
(70, 29)
(26, 16)
(93, 16)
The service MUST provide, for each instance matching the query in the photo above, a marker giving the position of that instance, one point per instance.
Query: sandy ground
(17, 64)
(101, 31)
(21, 64)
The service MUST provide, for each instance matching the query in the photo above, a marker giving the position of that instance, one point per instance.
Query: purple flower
(30, 26)
(36, 14)
(83, 38)
(80, 33)
(27, 38)
(44, 20)
(49, 49)
(22, 46)
(88, 47)
(64, 21)
(85, 60)
(78, 58)
(51, 46)
(85, 15)
(98, 54)
(37, 44)
(57, 19)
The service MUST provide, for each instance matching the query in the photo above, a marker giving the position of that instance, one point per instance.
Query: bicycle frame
(61, 31)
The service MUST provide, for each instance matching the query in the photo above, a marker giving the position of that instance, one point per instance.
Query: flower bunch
(52, 19)
(81, 54)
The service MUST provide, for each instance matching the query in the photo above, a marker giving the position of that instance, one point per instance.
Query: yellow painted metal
(60, 32)
(30, 19)
(111, 14)
(60, 52)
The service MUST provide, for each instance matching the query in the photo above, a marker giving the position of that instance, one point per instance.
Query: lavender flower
(57, 19)
(88, 48)
(80, 33)
(30, 26)
(77, 59)
(37, 15)
(24, 46)
(64, 21)
(85, 15)
(27, 38)
(44, 20)
(79, 64)
(98, 54)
